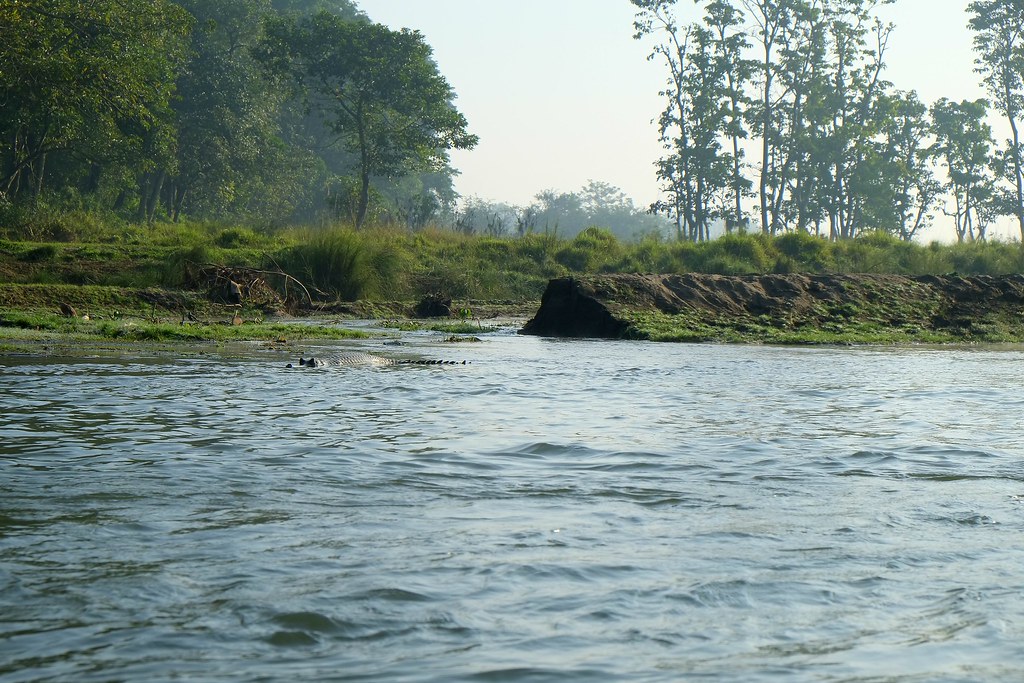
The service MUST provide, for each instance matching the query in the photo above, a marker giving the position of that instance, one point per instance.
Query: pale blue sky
(560, 93)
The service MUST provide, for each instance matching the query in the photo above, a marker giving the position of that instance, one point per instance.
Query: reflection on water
(555, 510)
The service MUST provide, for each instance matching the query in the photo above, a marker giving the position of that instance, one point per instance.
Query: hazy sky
(560, 93)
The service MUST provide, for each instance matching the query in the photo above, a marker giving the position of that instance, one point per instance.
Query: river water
(552, 511)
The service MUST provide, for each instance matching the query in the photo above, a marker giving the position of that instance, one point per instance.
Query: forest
(276, 113)
(259, 111)
(779, 118)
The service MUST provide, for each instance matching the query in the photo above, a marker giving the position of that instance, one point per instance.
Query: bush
(593, 250)
(986, 258)
(802, 251)
(233, 238)
(334, 261)
(734, 255)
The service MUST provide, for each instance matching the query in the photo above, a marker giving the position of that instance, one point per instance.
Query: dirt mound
(729, 307)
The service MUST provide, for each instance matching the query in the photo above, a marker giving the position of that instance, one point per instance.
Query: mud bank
(784, 308)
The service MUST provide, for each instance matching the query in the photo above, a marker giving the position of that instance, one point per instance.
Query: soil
(100, 301)
(794, 308)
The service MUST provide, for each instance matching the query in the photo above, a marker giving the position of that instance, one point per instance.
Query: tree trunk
(1019, 185)
(364, 199)
(153, 201)
(40, 170)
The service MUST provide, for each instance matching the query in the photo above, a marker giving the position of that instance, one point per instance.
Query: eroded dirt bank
(784, 308)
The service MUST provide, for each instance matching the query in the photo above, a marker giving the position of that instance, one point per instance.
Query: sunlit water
(553, 511)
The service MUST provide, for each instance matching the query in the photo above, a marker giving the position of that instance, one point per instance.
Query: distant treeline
(263, 111)
(782, 105)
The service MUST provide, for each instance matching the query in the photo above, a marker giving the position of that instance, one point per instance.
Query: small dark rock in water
(434, 306)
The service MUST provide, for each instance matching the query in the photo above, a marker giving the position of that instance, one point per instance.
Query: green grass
(455, 328)
(384, 263)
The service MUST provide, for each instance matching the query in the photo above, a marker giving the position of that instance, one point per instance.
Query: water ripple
(555, 510)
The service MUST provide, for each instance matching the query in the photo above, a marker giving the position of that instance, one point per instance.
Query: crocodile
(357, 358)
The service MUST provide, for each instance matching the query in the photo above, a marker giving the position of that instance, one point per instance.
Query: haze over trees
(562, 214)
(258, 110)
(778, 117)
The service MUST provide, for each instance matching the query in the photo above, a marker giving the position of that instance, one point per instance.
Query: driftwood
(238, 284)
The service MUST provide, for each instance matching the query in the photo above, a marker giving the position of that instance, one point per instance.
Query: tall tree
(906, 178)
(963, 144)
(999, 42)
(230, 158)
(90, 79)
(696, 172)
(377, 89)
(773, 19)
(731, 43)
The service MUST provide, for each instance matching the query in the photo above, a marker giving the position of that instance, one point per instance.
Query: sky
(560, 93)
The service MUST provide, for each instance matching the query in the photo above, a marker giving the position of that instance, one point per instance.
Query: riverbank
(785, 309)
(772, 309)
(36, 315)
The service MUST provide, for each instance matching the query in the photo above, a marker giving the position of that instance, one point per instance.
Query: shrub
(233, 238)
(592, 250)
(734, 255)
(803, 251)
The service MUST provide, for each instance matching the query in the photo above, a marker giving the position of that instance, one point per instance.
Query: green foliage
(593, 250)
(805, 252)
(986, 258)
(84, 81)
(345, 264)
(44, 252)
(182, 263)
(160, 109)
(388, 264)
(233, 238)
(734, 255)
(377, 90)
(334, 262)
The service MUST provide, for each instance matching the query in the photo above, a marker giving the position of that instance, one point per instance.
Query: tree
(696, 172)
(377, 90)
(230, 157)
(963, 144)
(906, 169)
(730, 43)
(999, 42)
(88, 80)
(346, 9)
(774, 19)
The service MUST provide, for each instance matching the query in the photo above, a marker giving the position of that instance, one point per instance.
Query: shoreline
(786, 309)
(756, 309)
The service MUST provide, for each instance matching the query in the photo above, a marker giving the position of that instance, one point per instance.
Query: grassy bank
(167, 280)
(391, 264)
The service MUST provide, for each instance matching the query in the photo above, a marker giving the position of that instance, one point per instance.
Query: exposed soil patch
(784, 308)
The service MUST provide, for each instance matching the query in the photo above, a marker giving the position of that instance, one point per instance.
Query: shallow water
(555, 510)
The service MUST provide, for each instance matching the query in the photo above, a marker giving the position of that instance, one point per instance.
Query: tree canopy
(265, 110)
(376, 89)
(839, 149)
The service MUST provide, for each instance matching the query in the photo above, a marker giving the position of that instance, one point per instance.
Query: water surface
(553, 511)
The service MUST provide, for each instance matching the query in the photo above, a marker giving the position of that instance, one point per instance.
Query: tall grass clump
(873, 252)
(733, 255)
(334, 261)
(986, 258)
(347, 265)
(591, 251)
(47, 220)
(181, 264)
(802, 252)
